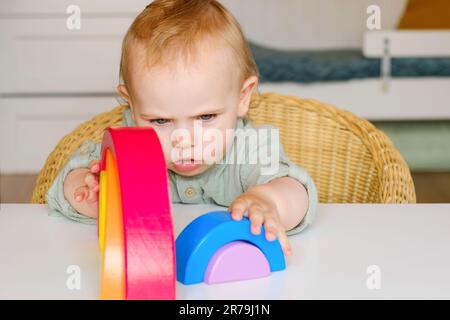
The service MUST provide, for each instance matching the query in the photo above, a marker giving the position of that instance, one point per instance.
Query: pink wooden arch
(149, 248)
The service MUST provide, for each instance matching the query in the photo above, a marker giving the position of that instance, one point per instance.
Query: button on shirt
(190, 192)
(219, 184)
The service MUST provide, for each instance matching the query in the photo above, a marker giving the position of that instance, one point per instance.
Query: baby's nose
(183, 140)
(182, 143)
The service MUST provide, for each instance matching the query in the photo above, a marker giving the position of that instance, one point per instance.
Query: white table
(408, 244)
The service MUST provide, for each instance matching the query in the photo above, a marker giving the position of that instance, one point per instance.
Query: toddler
(186, 68)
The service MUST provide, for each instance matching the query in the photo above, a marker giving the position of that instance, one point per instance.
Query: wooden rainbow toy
(135, 228)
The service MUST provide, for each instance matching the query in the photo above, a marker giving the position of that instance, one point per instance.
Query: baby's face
(193, 108)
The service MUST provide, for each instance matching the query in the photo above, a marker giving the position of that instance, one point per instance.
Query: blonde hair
(171, 27)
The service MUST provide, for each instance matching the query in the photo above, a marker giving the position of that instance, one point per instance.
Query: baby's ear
(122, 90)
(246, 93)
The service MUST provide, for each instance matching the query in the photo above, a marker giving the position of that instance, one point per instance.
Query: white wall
(311, 24)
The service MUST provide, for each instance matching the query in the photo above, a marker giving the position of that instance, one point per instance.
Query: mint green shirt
(245, 165)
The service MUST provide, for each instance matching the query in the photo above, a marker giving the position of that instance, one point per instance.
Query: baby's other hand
(81, 189)
(260, 210)
(89, 191)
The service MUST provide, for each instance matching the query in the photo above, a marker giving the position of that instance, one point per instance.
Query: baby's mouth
(187, 165)
(188, 161)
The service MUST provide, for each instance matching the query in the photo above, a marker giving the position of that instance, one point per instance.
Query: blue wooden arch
(208, 233)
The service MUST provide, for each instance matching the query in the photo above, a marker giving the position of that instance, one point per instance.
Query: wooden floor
(16, 188)
(430, 187)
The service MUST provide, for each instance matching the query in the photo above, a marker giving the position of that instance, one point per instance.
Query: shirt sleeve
(56, 200)
(273, 163)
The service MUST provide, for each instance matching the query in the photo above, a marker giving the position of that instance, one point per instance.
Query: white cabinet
(31, 127)
(53, 78)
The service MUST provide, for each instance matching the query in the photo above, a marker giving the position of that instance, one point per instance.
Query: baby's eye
(207, 117)
(159, 121)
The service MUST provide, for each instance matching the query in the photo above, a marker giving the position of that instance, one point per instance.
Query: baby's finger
(256, 219)
(94, 166)
(81, 193)
(238, 208)
(92, 197)
(271, 228)
(92, 181)
(284, 242)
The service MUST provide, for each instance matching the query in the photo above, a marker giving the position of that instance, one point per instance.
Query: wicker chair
(348, 158)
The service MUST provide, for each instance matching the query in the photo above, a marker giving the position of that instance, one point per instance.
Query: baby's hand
(81, 189)
(260, 210)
